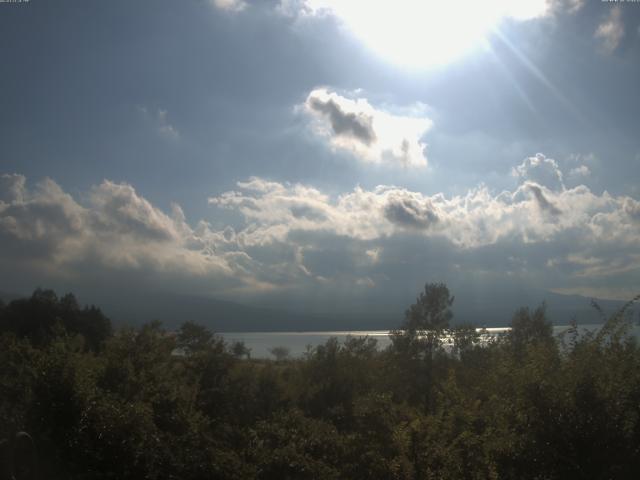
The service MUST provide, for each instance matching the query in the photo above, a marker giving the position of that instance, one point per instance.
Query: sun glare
(413, 33)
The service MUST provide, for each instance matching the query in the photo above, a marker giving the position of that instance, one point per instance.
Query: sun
(424, 33)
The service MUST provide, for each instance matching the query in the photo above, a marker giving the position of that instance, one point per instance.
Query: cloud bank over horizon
(294, 237)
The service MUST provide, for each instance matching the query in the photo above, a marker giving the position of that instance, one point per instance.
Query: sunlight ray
(540, 76)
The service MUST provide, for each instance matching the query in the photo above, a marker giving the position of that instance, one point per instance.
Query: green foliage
(529, 329)
(43, 316)
(432, 310)
(421, 334)
(280, 353)
(151, 404)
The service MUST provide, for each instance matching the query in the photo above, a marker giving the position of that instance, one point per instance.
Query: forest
(438, 403)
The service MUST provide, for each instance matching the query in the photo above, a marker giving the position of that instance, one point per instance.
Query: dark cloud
(408, 213)
(542, 201)
(358, 126)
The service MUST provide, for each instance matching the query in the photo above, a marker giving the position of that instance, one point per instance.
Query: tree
(530, 328)
(425, 322)
(419, 338)
(44, 316)
(240, 350)
(431, 310)
(280, 353)
(193, 338)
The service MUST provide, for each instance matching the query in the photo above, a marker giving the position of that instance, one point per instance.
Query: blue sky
(310, 152)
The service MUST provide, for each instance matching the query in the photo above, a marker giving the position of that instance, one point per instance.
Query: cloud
(230, 5)
(12, 187)
(574, 6)
(160, 120)
(580, 171)
(541, 170)
(371, 135)
(117, 230)
(405, 211)
(39, 224)
(347, 9)
(347, 124)
(533, 224)
(611, 30)
(531, 213)
(542, 200)
(569, 6)
(291, 237)
(632, 208)
(118, 210)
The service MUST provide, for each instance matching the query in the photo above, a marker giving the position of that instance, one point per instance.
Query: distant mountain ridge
(223, 315)
(561, 309)
(228, 316)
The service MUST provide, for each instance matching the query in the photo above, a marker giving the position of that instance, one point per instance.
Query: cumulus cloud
(43, 223)
(230, 5)
(632, 208)
(348, 124)
(469, 221)
(116, 229)
(611, 30)
(291, 236)
(12, 187)
(542, 200)
(403, 210)
(541, 170)
(534, 217)
(371, 135)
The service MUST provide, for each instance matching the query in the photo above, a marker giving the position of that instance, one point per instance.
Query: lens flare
(414, 33)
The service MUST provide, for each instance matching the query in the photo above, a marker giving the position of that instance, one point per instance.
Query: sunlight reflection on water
(297, 342)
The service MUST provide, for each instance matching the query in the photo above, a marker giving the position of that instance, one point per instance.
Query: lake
(297, 342)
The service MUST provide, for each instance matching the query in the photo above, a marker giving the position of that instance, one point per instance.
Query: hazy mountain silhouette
(491, 309)
(226, 316)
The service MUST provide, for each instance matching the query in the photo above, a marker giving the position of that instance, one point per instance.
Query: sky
(320, 155)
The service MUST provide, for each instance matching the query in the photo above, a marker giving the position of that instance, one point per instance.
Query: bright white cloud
(41, 224)
(294, 236)
(542, 170)
(546, 219)
(530, 213)
(117, 230)
(230, 5)
(372, 135)
(611, 30)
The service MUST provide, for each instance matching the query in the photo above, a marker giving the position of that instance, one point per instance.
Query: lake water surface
(261, 342)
